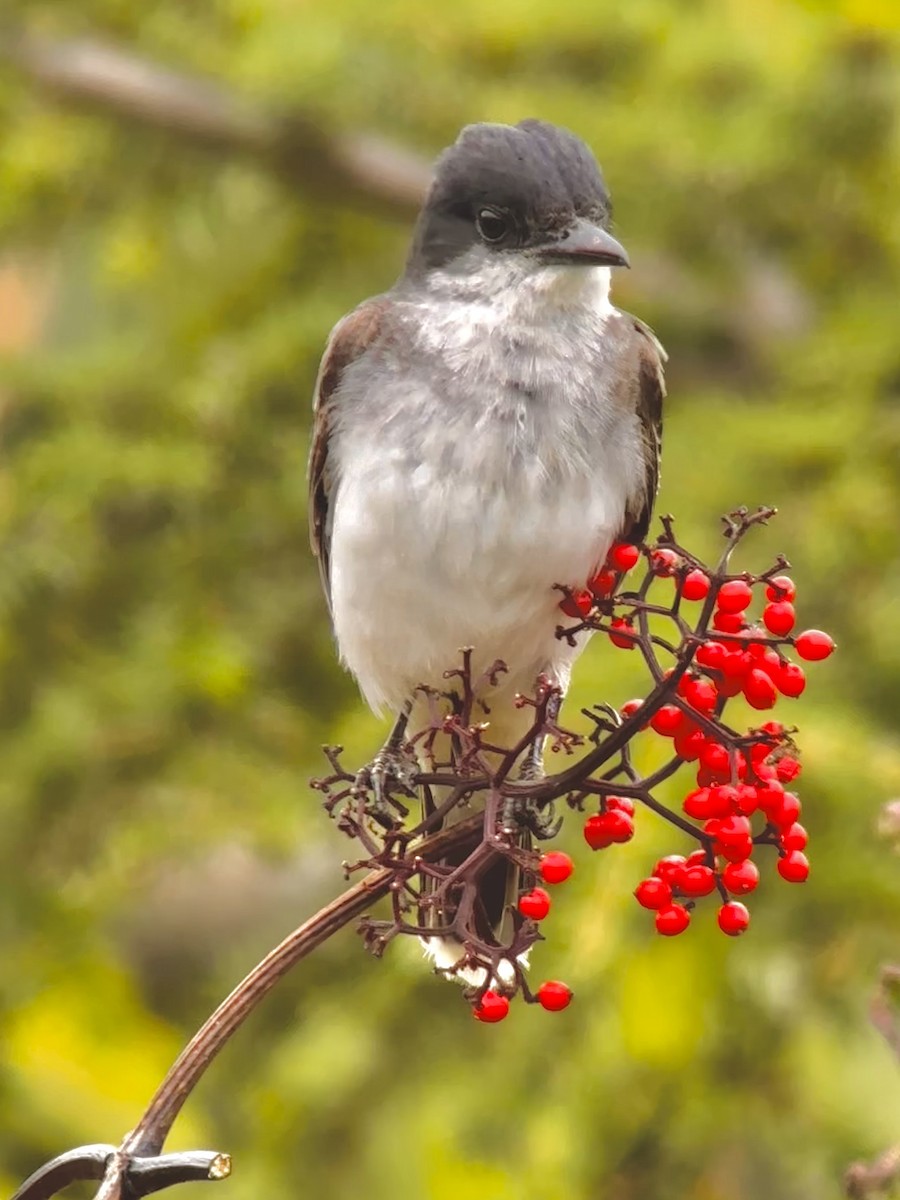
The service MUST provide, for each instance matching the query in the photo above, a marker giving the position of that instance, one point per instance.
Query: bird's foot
(393, 769)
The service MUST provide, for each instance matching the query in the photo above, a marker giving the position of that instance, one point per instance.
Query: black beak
(587, 244)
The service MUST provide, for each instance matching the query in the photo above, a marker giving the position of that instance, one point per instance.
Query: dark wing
(350, 338)
(651, 391)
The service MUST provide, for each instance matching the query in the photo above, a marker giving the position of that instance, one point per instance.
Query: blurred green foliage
(166, 663)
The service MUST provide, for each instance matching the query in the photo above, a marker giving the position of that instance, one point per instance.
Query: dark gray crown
(542, 175)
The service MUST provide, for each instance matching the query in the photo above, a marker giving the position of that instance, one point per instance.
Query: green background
(166, 668)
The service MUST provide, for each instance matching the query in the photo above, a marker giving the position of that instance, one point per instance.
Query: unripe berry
(554, 996)
(556, 867)
(672, 920)
(733, 918)
(653, 893)
(734, 596)
(534, 904)
(781, 588)
(813, 645)
(623, 556)
(695, 585)
(740, 877)
(779, 617)
(794, 867)
(577, 604)
(492, 1008)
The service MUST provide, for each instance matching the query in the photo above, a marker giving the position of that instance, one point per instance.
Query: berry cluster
(714, 642)
(740, 801)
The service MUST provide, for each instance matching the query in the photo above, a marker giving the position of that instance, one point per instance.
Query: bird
(483, 432)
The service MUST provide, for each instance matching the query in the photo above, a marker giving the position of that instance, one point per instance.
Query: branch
(362, 169)
(137, 1166)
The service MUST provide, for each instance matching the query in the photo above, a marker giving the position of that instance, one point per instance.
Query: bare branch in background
(363, 169)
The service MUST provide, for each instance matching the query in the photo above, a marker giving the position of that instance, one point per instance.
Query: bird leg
(393, 767)
(541, 821)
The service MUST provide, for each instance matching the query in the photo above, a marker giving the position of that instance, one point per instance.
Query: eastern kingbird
(484, 430)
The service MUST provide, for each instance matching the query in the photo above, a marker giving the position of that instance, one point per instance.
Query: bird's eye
(492, 224)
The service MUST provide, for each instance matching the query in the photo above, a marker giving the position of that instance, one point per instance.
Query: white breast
(454, 515)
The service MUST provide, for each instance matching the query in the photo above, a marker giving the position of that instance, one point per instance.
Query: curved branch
(361, 169)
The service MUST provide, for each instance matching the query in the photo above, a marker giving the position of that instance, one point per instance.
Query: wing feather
(350, 339)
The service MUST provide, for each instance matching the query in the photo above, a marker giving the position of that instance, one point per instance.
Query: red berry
(663, 561)
(697, 881)
(740, 877)
(733, 918)
(794, 867)
(669, 868)
(788, 811)
(771, 798)
(737, 663)
(734, 596)
(700, 694)
(629, 708)
(727, 622)
(723, 800)
(534, 904)
(577, 604)
(622, 633)
(781, 588)
(791, 680)
(695, 585)
(668, 720)
(732, 830)
(672, 920)
(556, 867)
(621, 804)
(711, 655)
(788, 768)
(554, 996)
(795, 837)
(813, 645)
(779, 617)
(689, 742)
(748, 799)
(623, 556)
(770, 662)
(696, 804)
(759, 690)
(492, 1008)
(715, 758)
(603, 583)
(653, 893)
(602, 829)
